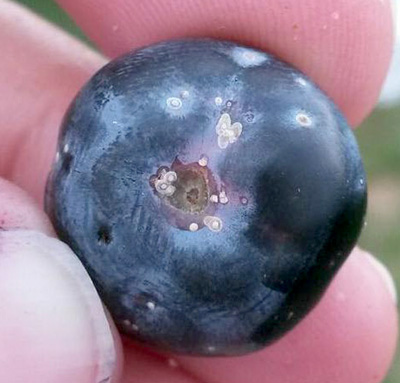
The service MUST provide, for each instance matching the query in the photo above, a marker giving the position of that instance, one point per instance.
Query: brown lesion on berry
(185, 190)
(192, 192)
(183, 186)
(163, 181)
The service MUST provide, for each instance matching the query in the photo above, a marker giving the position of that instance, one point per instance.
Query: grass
(379, 140)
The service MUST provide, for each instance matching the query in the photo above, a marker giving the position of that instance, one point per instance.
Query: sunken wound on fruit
(211, 191)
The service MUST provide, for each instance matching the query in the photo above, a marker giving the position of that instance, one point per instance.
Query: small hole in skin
(66, 162)
(104, 235)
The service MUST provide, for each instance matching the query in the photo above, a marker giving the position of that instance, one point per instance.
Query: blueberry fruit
(212, 192)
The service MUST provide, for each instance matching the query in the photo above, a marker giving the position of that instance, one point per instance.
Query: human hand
(53, 328)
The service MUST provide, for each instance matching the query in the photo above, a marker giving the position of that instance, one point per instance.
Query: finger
(345, 45)
(41, 69)
(144, 367)
(350, 337)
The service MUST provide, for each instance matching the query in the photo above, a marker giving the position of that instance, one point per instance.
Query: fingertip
(350, 337)
(385, 275)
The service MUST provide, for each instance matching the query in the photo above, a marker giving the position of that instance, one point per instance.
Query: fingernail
(386, 276)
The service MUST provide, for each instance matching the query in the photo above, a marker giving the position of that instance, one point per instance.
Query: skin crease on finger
(31, 53)
(54, 327)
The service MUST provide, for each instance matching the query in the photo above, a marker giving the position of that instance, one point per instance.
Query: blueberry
(212, 192)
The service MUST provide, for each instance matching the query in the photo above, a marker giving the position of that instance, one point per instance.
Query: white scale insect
(213, 223)
(303, 119)
(227, 132)
(164, 184)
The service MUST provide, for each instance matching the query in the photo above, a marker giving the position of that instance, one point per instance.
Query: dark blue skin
(205, 240)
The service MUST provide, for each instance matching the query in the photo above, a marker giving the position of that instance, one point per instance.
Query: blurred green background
(379, 140)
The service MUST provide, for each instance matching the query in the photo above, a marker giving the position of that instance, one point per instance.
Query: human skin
(344, 46)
